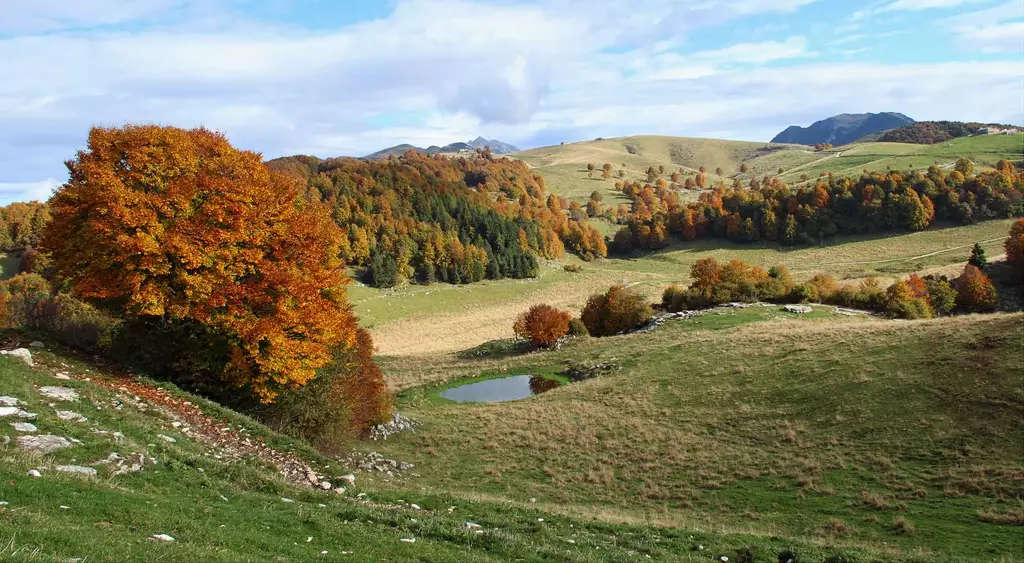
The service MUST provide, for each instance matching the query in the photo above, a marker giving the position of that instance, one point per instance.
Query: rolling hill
(564, 167)
(843, 128)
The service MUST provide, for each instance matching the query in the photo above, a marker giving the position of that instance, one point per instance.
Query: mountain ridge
(497, 147)
(843, 128)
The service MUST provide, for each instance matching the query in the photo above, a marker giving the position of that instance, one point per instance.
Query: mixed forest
(458, 220)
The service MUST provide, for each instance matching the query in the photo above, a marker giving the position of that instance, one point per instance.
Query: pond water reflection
(510, 388)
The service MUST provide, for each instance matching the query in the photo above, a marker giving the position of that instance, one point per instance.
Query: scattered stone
(3, 503)
(131, 464)
(325, 485)
(43, 443)
(799, 309)
(408, 540)
(36, 344)
(62, 376)
(59, 393)
(580, 371)
(71, 416)
(21, 353)
(309, 539)
(472, 525)
(162, 537)
(398, 423)
(15, 411)
(24, 427)
(34, 473)
(176, 424)
(286, 499)
(415, 506)
(349, 478)
(6, 401)
(167, 439)
(339, 491)
(62, 507)
(89, 471)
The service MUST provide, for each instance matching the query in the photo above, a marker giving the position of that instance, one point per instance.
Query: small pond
(498, 390)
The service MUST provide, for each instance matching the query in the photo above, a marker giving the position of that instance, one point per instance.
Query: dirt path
(230, 442)
(908, 258)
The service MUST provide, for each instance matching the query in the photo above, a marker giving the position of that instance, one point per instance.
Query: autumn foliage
(617, 310)
(174, 224)
(1014, 246)
(767, 209)
(542, 325)
(975, 292)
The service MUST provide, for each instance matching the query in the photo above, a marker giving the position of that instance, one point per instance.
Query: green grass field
(899, 438)
(219, 506)
(564, 166)
(416, 319)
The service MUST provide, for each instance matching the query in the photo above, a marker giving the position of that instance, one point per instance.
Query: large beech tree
(178, 224)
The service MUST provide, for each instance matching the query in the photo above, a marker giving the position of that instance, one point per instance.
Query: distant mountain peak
(843, 128)
(497, 147)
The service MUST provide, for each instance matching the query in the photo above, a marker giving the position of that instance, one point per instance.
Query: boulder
(71, 416)
(21, 353)
(6, 401)
(24, 427)
(59, 393)
(15, 411)
(43, 443)
(87, 471)
(800, 309)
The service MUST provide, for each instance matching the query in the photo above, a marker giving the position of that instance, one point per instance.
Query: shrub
(577, 328)
(26, 302)
(1014, 246)
(975, 292)
(674, 298)
(803, 293)
(941, 295)
(542, 325)
(572, 268)
(902, 302)
(824, 286)
(617, 310)
(869, 295)
(345, 398)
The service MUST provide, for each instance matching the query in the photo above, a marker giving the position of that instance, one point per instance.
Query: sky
(333, 78)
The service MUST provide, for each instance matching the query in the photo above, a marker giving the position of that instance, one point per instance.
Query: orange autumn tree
(174, 224)
(1014, 246)
(542, 324)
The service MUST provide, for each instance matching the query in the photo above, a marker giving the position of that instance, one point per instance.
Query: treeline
(770, 210)
(913, 298)
(21, 224)
(426, 219)
(931, 132)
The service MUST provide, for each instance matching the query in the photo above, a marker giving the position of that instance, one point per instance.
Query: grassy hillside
(201, 484)
(564, 166)
(984, 150)
(903, 438)
(442, 318)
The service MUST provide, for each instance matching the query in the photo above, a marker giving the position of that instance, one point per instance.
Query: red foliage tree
(542, 324)
(975, 292)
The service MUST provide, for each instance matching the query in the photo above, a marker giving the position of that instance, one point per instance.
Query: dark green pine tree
(978, 259)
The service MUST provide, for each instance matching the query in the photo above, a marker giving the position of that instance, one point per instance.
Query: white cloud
(527, 74)
(995, 38)
(27, 191)
(47, 15)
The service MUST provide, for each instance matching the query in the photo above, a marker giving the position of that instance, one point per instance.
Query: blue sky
(347, 78)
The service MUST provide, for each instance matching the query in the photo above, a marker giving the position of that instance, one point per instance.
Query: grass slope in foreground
(221, 507)
(902, 438)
